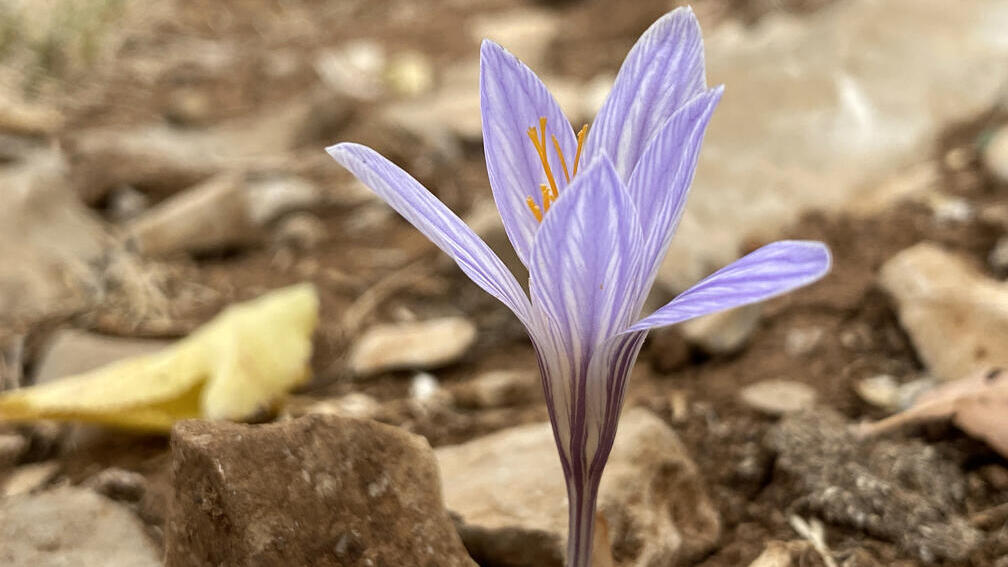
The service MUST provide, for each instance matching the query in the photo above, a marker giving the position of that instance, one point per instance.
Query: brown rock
(508, 491)
(320, 490)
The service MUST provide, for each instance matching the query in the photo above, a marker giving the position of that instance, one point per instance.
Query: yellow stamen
(547, 198)
(534, 208)
(563, 162)
(540, 146)
(581, 138)
(550, 192)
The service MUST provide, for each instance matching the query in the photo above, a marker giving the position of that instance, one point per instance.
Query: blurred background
(160, 161)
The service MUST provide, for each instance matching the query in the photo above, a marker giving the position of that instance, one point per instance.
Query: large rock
(320, 490)
(508, 492)
(956, 317)
(820, 109)
(71, 526)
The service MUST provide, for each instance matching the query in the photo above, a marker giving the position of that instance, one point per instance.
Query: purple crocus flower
(591, 216)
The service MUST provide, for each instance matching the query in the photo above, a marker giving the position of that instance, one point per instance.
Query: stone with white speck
(321, 490)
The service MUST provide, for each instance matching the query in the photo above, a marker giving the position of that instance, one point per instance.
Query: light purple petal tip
(660, 183)
(664, 69)
(512, 100)
(770, 271)
(431, 217)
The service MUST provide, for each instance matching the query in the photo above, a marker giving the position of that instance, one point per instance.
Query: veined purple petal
(557, 370)
(770, 271)
(661, 181)
(585, 263)
(607, 377)
(608, 373)
(431, 217)
(512, 100)
(584, 283)
(664, 69)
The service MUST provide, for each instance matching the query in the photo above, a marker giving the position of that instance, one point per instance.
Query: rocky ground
(161, 162)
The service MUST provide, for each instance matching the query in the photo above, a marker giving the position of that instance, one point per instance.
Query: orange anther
(534, 208)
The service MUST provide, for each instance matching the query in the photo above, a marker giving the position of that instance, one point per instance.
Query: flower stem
(581, 522)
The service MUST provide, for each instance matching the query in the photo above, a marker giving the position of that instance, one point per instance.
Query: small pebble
(119, 484)
(995, 155)
(880, 391)
(500, 388)
(427, 393)
(998, 257)
(778, 397)
(802, 341)
(12, 447)
(725, 332)
(356, 405)
(29, 478)
(420, 345)
(301, 231)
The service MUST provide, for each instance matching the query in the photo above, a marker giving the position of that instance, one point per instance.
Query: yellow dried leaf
(242, 361)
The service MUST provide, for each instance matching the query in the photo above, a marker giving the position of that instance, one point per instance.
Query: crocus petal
(770, 271)
(664, 69)
(608, 374)
(584, 281)
(512, 100)
(661, 181)
(431, 217)
(584, 268)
